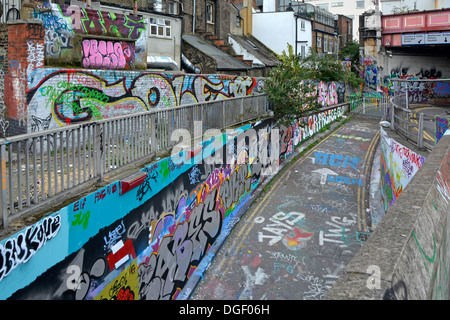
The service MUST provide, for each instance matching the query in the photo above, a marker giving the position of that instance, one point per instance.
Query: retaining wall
(152, 235)
(408, 254)
(399, 164)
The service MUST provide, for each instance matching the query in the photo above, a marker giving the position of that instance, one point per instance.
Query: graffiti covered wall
(148, 242)
(57, 97)
(398, 166)
(86, 37)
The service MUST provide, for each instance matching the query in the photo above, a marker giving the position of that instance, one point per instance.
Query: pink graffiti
(327, 93)
(404, 152)
(104, 54)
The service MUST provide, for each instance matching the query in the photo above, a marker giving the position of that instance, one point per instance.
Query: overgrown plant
(292, 97)
(289, 86)
(351, 52)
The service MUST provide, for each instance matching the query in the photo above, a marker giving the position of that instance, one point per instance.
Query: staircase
(224, 46)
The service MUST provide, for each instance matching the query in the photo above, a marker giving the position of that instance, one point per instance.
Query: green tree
(351, 52)
(289, 87)
(291, 96)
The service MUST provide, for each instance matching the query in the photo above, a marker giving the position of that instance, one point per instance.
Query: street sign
(437, 38)
(413, 39)
(426, 38)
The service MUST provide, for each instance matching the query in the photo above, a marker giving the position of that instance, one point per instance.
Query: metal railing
(39, 167)
(368, 104)
(415, 127)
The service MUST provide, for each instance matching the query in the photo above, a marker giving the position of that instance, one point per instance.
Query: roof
(224, 61)
(258, 49)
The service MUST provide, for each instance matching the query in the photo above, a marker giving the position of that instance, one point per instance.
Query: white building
(350, 8)
(277, 29)
(398, 6)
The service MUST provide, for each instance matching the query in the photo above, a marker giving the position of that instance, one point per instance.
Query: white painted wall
(277, 29)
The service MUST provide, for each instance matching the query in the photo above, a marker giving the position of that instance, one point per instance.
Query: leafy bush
(289, 87)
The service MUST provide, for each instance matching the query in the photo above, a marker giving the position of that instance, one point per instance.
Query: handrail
(410, 124)
(41, 167)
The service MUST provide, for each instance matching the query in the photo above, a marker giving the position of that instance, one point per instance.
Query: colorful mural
(71, 96)
(63, 25)
(148, 242)
(398, 166)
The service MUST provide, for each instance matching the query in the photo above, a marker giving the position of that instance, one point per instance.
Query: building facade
(277, 29)
(350, 8)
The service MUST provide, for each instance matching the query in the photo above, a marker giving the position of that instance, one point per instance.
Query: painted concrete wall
(152, 242)
(57, 97)
(407, 256)
(92, 38)
(399, 164)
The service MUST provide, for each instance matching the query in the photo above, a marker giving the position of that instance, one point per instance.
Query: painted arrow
(324, 174)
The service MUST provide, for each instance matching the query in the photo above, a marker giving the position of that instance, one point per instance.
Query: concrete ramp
(407, 256)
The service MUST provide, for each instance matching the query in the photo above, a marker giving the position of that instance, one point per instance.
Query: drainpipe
(186, 64)
(193, 20)
(296, 32)
(165, 63)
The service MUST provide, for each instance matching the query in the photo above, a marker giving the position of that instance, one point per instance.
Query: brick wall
(4, 122)
(25, 54)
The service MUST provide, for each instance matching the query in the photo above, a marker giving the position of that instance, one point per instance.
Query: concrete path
(297, 238)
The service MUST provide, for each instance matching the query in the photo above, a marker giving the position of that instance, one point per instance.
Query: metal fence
(369, 104)
(415, 127)
(39, 167)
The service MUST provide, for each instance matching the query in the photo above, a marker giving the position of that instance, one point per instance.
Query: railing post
(153, 146)
(407, 97)
(99, 150)
(242, 108)
(392, 116)
(364, 105)
(3, 194)
(224, 123)
(420, 134)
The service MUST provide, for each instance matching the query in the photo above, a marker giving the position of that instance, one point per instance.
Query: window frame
(363, 4)
(160, 28)
(210, 15)
(173, 8)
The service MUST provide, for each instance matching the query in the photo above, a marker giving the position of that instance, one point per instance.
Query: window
(302, 24)
(319, 42)
(303, 51)
(323, 6)
(173, 8)
(238, 21)
(360, 4)
(337, 4)
(325, 45)
(209, 13)
(160, 28)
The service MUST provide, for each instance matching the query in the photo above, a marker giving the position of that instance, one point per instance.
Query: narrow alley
(297, 238)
